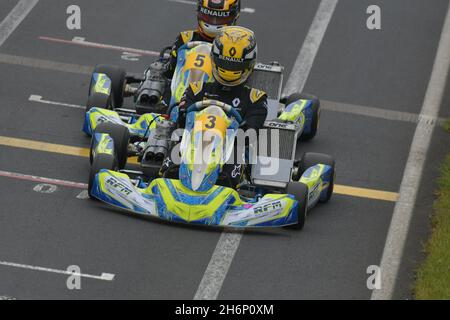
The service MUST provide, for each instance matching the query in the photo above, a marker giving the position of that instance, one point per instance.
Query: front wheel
(101, 161)
(315, 115)
(310, 159)
(121, 137)
(118, 81)
(300, 192)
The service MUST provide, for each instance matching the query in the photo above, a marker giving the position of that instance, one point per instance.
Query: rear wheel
(300, 192)
(315, 114)
(118, 81)
(311, 159)
(101, 161)
(121, 138)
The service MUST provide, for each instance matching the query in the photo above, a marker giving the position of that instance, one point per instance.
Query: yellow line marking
(366, 193)
(44, 146)
(50, 147)
(84, 152)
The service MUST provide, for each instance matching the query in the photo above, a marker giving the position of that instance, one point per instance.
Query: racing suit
(251, 103)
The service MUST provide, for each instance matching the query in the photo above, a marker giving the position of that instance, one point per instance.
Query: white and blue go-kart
(280, 199)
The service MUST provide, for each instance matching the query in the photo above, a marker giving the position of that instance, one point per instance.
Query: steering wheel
(229, 110)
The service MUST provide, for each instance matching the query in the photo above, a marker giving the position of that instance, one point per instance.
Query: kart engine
(153, 87)
(159, 141)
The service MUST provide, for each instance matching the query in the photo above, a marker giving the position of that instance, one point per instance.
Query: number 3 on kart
(212, 122)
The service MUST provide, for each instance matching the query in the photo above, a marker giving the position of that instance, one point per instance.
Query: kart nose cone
(197, 177)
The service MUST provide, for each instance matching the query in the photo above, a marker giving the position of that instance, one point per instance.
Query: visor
(232, 65)
(215, 20)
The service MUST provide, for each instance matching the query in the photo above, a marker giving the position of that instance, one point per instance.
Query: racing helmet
(213, 15)
(233, 55)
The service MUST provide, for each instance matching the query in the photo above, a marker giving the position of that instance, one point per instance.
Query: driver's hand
(182, 106)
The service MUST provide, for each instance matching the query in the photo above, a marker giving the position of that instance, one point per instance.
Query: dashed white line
(37, 98)
(81, 42)
(403, 211)
(104, 276)
(15, 17)
(326, 105)
(228, 243)
(373, 112)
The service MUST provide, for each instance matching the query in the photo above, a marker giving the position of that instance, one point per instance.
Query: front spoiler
(169, 200)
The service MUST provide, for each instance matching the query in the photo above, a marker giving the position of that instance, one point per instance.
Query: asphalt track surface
(387, 69)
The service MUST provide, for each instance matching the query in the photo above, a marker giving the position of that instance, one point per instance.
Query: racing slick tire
(300, 192)
(311, 159)
(118, 82)
(98, 100)
(101, 161)
(316, 112)
(121, 138)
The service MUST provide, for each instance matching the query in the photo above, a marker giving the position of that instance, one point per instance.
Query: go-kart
(207, 144)
(194, 195)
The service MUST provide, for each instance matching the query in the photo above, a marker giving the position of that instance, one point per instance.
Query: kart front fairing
(193, 66)
(170, 200)
(207, 144)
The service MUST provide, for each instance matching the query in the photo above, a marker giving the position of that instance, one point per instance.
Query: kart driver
(233, 57)
(212, 16)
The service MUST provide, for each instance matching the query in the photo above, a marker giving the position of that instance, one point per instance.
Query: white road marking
(83, 195)
(64, 183)
(129, 56)
(15, 17)
(103, 276)
(228, 243)
(403, 211)
(308, 52)
(82, 42)
(194, 3)
(46, 183)
(45, 188)
(326, 105)
(7, 298)
(373, 112)
(218, 266)
(37, 98)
